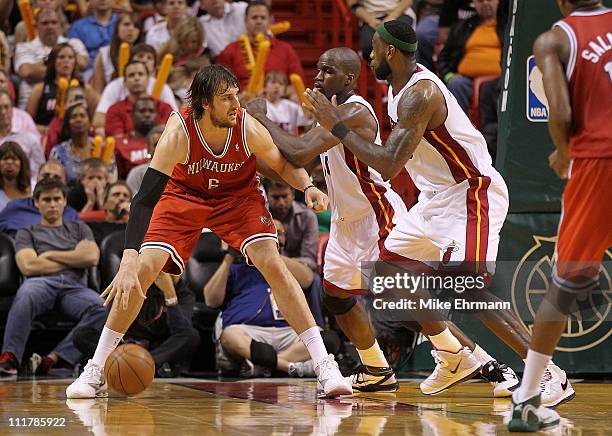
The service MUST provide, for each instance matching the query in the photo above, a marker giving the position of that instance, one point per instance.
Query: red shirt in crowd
(119, 117)
(281, 58)
(130, 151)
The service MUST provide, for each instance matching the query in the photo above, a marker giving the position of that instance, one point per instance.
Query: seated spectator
(252, 327)
(88, 193)
(106, 65)
(181, 77)
(473, 49)
(30, 56)
(186, 42)
(61, 64)
(75, 95)
(163, 326)
(158, 35)
(5, 63)
(14, 173)
(223, 24)
(77, 144)
(134, 178)
(133, 149)
(427, 32)
(159, 15)
(20, 30)
(117, 199)
(371, 13)
(299, 221)
(118, 120)
(95, 30)
(117, 90)
(53, 256)
(28, 142)
(282, 57)
(22, 121)
(284, 112)
(22, 212)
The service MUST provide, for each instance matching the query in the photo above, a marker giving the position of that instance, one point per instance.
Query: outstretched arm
(550, 50)
(261, 144)
(419, 109)
(301, 150)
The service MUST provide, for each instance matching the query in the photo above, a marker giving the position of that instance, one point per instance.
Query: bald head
(345, 59)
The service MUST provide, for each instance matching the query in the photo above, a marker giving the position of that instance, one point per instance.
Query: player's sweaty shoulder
(419, 101)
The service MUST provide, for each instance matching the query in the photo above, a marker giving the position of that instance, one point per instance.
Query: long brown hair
(116, 42)
(50, 76)
(23, 178)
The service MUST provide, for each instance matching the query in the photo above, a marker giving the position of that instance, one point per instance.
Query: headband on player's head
(390, 39)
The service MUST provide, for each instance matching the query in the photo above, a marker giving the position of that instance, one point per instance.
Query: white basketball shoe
(451, 369)
(90, 384)
(330, 382)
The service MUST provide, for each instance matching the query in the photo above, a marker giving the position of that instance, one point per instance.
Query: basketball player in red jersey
(203, 174)
(575, 57)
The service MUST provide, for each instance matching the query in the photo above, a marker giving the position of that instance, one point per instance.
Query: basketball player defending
(203, 174)
(463, 201)
(576, 66)
(364, 210)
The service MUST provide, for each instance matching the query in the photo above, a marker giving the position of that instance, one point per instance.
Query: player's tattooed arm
(301, 150)
(421, 107)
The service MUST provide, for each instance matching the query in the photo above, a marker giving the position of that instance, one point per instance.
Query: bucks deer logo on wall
(588, 325)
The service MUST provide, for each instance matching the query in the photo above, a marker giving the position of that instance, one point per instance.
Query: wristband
(308, 187)
(448, 76)
(340, 130)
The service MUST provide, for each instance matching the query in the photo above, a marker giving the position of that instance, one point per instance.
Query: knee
(229, 339)
(337, 304)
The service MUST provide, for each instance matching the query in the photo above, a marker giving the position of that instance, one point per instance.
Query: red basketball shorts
(179, 217)
(585, 230)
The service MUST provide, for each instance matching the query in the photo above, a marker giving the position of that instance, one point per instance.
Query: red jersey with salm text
(589, 73)
(232, 172)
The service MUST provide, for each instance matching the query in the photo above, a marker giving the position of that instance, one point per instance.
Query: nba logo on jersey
(537, 104)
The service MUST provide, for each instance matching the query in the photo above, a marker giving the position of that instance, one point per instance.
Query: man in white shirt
(116, 90)
(30, 56)
(159, 34)
(223, 24)
(28, 142)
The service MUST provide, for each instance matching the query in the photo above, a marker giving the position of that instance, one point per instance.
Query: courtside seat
(10, 277)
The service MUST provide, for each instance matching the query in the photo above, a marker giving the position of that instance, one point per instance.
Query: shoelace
(92, 373)
(497, 373)
(357, 373)
(325, 366)
(545, 379)
(440, 363)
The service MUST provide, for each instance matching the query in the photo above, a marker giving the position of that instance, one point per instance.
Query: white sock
(311, 338)
(445, 341)
(109, 340)
(481, 355)
(373, 356)
(534, 371)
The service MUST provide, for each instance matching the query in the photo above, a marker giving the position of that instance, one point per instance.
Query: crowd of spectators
(55, 173)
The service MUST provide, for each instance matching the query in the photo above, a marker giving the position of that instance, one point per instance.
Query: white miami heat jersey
(355, 189)
(450, 154)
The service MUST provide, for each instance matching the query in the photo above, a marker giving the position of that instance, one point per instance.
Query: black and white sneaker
(502, 377)
(374, 379)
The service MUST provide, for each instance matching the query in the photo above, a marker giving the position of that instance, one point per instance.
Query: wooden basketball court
(182, 407)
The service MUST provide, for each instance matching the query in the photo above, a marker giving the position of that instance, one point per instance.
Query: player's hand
(125, 282)
(559, 162)
(316, 200)
(321, 109)
(258, 108)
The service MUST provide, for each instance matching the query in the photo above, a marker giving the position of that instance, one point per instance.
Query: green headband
(390, 39)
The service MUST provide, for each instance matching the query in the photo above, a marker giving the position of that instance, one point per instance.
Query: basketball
(129, 369)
